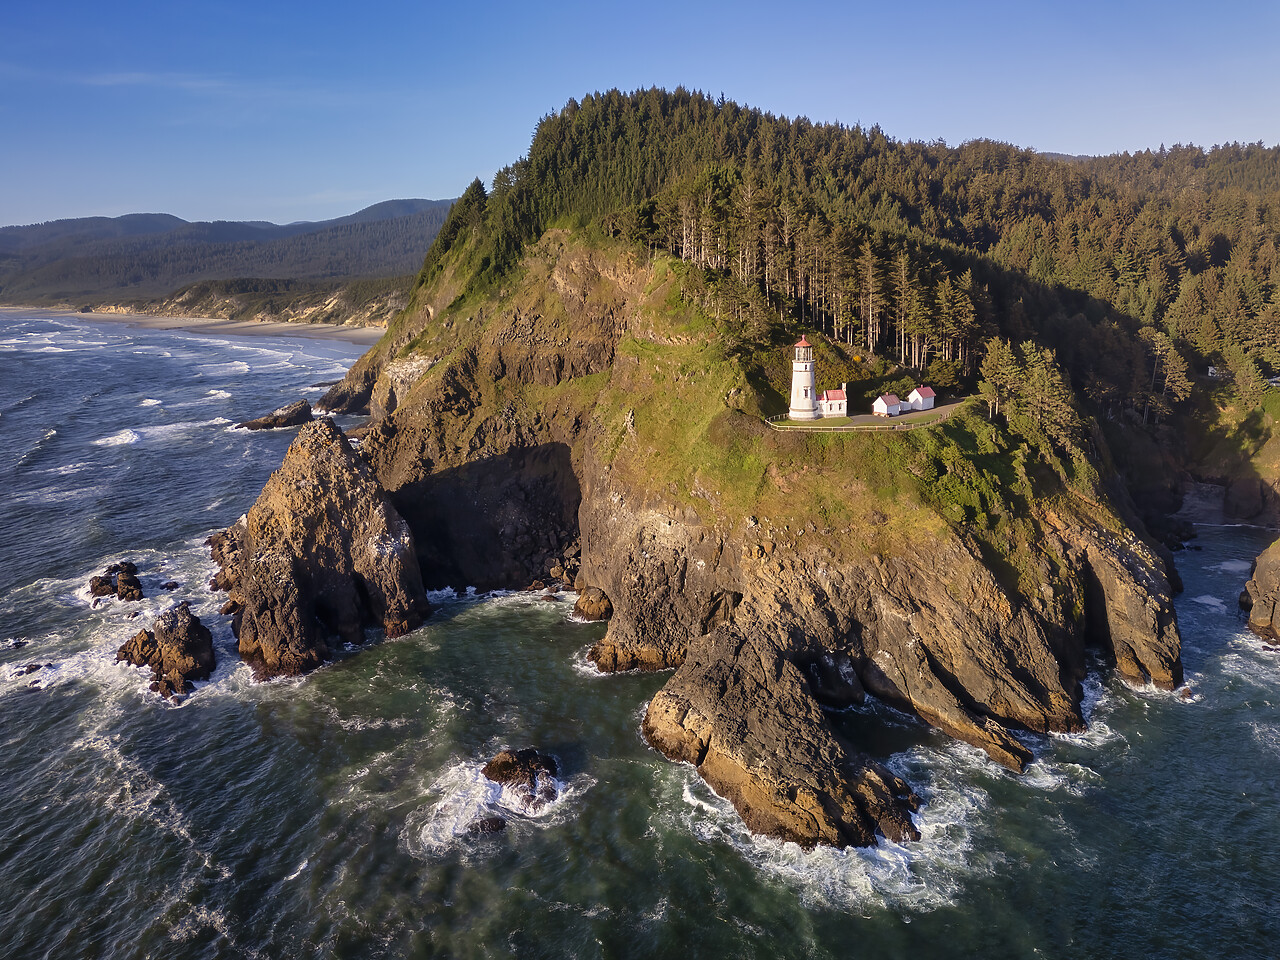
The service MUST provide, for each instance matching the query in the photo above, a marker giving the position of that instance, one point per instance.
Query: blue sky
(221, 109)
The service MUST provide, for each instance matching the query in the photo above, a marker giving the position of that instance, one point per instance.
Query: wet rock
(593, 605)
(124, 566)
(292, 415)
(1263, 592)
(128, 587)
(178, 649)
(102, 586)
(536, 585)
(170, 585)
(485, 825)
(530, 775)
(741, 713)
(27, 669)
(833, 678)
(230, 608)
(320, 557)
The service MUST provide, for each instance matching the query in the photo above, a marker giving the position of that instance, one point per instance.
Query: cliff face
(320, 557)
(588, 409)
(1263, 593)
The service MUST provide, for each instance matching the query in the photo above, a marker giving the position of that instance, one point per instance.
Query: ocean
(325, 816)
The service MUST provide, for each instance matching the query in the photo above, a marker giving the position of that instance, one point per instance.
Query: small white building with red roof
(835, 403)
(886, 405)
(921, 398)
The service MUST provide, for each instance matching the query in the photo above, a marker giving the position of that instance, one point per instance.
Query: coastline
(209, 326)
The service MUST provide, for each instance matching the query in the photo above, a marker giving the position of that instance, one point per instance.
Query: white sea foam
(149, 402)
(119, 438)
(230, 368)
(1234, 566)
(918, 876)
(463, 795)
(218, 394)
(1207, 600)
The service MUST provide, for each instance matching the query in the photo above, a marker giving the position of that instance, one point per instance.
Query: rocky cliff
(1262, 594)
(588, 410)
(319, 558)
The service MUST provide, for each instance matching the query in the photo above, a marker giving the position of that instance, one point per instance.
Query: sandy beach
(210, 326)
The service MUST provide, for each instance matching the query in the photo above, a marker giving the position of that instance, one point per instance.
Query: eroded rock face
(742, 713)
(321, 556)
(291, 415)
(1263, 593)
(178, 649)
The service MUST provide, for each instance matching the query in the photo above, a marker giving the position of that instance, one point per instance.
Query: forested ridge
(1133, 271)
(101, 259)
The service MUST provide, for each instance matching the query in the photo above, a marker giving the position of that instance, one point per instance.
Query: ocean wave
(218, 394)
(149, 402)
(119, 438)
(464, 795)
(226, 369)
(919, 876)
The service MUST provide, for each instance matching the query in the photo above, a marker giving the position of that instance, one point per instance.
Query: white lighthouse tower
(804, 398)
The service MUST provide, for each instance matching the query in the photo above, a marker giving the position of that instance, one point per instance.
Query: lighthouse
(804, 398)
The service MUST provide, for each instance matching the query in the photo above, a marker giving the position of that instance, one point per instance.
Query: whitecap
(230, 368)
(218, 394)
(149, 402)
(464, 795)
(1208, 600)
(1234, 566)
(119, 438)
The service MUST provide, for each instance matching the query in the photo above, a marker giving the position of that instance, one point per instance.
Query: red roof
(890, 399)
(833, 395)
(803, 342)
(925, 392)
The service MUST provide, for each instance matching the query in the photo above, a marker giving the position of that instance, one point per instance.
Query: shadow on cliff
(496, 522)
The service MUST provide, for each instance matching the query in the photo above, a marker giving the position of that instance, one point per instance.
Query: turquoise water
(321, 817)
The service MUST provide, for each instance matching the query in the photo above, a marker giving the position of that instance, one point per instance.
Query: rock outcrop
(321, 556)
(592, 604)
(1263, 594)
(291, 415)
(178, 649)
(740, 711)
(528, 774)
(118, 580)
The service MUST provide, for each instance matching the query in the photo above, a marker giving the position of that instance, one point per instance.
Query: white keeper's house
(921, 398)
(886, 405)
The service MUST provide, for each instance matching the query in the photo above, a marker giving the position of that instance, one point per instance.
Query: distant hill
(147, 256)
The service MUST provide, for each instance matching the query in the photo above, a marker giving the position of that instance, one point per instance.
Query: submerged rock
(178, 649)
(291, 415)
(527, 773)
(321, 556)
(485, 825)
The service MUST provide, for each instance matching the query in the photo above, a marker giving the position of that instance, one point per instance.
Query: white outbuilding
(835, 403)
(886, 405)
(921, 398)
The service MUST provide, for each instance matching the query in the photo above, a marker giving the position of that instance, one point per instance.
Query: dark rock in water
(30, 668)
(230, 608)
(593, 605)
(549, 598)
(178, 650)
(484, 825)
(128, 587)
(320, 557)
(527, 773)
(170, 585)
(536, 585)
(292, 415)
(1263, 594)
(109, 583)
(1245, 601)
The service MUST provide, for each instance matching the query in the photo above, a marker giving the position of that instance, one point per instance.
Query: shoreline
(209, 326)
